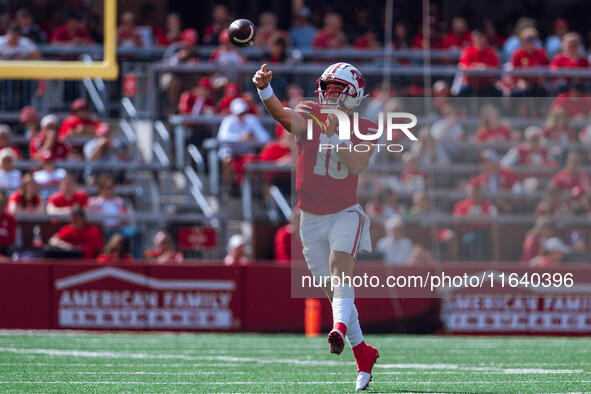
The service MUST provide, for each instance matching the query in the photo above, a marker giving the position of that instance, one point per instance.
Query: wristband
(266, 92)
(336, 141)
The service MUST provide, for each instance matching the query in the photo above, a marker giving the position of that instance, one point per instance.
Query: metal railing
(163, 137)
(128, 120)
(198, 159)
(297, 54)
(195, 185)
(280, 201)
(95, 87)
(247, 188)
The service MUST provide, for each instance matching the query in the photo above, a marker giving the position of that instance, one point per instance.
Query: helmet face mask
(332, 96)
(347, 76)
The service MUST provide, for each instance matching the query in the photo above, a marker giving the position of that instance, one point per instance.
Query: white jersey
(24, 48)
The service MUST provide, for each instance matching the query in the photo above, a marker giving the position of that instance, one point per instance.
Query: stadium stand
(166, 115)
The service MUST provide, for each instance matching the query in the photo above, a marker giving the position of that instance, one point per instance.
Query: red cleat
(336, 338)
(366, 357)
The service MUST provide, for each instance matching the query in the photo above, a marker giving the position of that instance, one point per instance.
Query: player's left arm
(356, 162)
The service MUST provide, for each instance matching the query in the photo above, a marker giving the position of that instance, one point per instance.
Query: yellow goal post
(75, 70)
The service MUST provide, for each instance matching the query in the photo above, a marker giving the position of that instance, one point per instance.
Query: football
(242, 33)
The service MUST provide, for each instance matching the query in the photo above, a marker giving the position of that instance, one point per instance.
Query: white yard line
(496, 382)
(101, 354)
(123, 365)
(129, 373)
(299, 362)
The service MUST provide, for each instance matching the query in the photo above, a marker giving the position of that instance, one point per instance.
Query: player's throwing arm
(293, 122)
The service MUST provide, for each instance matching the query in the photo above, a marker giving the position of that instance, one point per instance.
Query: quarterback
(333, 225)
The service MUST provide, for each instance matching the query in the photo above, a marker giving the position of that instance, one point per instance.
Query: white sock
(343, 299)
(354, 334)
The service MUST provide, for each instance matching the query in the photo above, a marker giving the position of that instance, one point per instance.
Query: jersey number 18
(336, 169)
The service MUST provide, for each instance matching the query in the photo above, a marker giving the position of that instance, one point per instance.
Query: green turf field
(90, 362)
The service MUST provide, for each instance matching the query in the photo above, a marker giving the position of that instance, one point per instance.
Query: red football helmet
(347, 75)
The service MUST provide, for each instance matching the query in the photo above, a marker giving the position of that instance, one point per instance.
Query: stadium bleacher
(175, 167)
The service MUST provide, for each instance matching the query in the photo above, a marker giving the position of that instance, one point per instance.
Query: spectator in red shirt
(287, 240)
(530, 153)
(67, 198)
(199, 100)
(367, 40)
(73, 32)
(48, 140)
(571, 56)
(127, 34)
(557, 127)
(7, 225)
(331, 36)
(574, 102)
(491, 129)
(5, 132)
(163, 252)
(478, 56)
(572, 176)
(528, 56)
(231, 92)
(26, 199)
(80, 123)
(494, 178)
(276, 151)
(475, 236)
(115, 251)
(236, 251)
(173, 31)
(542, 230)
(29, 119)
(79, 235)
(220, 21)
(279, 149)
(459, 37)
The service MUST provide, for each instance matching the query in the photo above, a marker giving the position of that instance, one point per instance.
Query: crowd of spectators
(47, 189)
(242, 138)
(546, 163)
